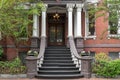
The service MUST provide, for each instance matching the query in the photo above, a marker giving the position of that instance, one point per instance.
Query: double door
(56, 34)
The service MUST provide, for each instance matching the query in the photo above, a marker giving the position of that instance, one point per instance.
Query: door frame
(50, 22)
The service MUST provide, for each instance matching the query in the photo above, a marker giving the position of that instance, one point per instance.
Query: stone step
(59, 76)
(58, 68)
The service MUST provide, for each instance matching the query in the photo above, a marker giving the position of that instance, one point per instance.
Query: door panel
(56, 35)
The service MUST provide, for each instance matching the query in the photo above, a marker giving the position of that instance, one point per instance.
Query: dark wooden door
(56, 34)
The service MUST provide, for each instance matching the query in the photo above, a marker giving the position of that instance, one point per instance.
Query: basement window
(114, 55)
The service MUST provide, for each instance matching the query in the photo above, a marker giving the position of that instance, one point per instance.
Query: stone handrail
(42, 47)
(73, 48)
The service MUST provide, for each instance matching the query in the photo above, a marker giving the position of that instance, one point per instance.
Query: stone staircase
(58, 64)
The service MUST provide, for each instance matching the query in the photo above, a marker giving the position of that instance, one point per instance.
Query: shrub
(100, 60)
(104, 66)
(102, 56)
(12, 67)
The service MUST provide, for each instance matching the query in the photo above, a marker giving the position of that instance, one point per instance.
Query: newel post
(31, 63)
(86, 66)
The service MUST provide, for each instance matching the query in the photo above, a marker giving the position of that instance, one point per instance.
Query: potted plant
(32, 53)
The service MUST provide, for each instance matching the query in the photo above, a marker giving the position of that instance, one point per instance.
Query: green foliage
(12, 67)
(102, 56)
(104, 66)
(14, 19)
(1, 51)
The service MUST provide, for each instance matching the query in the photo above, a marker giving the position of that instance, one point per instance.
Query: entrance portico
(57, 31)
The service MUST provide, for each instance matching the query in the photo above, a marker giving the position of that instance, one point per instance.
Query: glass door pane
(52, 34)
(59, 34)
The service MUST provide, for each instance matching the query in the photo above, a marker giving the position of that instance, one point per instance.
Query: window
(114, 55)
(90, 21)
(114, 20)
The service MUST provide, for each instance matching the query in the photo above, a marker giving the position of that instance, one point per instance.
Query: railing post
(86, 66)
(31, 63)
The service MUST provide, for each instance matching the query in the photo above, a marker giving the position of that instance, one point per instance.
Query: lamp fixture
(56, 16)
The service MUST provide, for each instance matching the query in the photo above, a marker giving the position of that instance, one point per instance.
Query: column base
(79, 42)
(35, 43)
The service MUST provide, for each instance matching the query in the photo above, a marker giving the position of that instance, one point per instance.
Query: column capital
(44, 8)
(79, 7)
(70, 7)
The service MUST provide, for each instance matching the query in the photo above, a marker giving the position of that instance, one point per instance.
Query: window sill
(90, 37)
(114, 36)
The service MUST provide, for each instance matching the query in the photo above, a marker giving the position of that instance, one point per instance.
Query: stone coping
(7, 76)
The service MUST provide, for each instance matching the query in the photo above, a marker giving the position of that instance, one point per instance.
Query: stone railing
(33, 62)
(84, 63)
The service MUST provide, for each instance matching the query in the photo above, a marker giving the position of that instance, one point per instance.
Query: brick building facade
(62, 19)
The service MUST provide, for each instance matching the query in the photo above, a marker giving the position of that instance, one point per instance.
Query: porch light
(56, 16)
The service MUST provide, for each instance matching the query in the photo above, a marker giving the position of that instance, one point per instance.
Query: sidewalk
(59, 79)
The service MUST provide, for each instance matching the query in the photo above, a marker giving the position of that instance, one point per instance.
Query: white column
(35, 25)
(78, 20)
(70, 20)
(43, 22)
(75, 19)
(118, 31)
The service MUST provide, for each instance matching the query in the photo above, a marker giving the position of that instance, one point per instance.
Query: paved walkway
(62, 79)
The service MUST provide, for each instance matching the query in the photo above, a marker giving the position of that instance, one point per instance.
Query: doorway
(56, 30)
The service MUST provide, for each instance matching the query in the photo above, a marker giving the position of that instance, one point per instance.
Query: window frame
(117, 35)
(87, 36)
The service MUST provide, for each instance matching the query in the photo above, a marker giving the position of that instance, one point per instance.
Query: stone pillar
(78, 27)
(86, 66)
(31, 64)
(43, 22)
(35, 42)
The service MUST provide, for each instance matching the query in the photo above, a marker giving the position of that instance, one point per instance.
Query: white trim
(90, 37)
(92, 1)
(117, 36)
